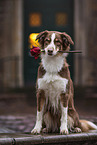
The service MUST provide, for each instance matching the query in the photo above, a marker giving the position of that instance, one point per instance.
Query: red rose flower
(35, 51)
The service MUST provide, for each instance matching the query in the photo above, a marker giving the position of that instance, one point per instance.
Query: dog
(55, 105)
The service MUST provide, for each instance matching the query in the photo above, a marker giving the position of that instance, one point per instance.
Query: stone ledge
(28, 139)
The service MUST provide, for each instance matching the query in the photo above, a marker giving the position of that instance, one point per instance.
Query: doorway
(54, 15)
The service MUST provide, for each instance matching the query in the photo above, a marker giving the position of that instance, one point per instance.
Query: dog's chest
(52, 82)
(53, 85)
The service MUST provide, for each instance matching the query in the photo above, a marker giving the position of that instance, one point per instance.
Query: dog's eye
(47, 40)
(58, 42)
(65, 41)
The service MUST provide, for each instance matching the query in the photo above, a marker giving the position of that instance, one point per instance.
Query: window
(35, 19)
(61, 19)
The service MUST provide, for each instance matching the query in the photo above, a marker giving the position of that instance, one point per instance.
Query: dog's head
(52, 42)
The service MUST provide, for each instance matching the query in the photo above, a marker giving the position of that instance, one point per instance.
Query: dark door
(42, 15)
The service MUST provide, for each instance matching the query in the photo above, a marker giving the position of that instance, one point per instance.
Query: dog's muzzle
(50, 52)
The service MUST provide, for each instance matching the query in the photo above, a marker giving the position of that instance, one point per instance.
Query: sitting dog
(55, 105)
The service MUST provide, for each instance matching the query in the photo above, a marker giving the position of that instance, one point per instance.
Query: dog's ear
(66, 40)
(41, 37)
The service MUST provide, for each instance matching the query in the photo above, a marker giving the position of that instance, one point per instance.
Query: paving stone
(18, 123)
(25, 123)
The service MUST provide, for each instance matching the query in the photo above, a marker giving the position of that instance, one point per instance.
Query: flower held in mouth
(35, 51)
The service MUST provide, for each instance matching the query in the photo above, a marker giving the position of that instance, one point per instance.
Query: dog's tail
(87, 126)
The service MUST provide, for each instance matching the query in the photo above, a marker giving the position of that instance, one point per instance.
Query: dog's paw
(45, 130)
(35, 131)
(64, 131)
(77, 130)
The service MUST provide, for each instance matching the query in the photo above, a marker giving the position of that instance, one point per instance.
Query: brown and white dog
(55, 105)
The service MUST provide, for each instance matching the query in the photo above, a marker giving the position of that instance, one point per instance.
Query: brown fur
(67, 98)
(65, 73)
(63, 42)
(40, 99)
(87, 126)
(64, 99)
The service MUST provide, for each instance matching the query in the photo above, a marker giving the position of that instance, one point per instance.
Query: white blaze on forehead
(52, 45)
(52, 38)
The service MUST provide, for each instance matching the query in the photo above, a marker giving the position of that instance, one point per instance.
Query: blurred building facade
(85, 32)
(19, 18)
(11, 43)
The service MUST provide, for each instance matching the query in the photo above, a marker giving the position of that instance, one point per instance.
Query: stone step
(55, 139)
(6, 130)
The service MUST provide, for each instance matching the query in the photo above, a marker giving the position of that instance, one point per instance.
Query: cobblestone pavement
(25, 123)
(18, 123)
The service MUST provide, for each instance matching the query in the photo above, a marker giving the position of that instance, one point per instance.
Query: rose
(35, 51)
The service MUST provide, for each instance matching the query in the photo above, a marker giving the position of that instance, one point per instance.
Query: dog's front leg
(40, 109)
(64, 110)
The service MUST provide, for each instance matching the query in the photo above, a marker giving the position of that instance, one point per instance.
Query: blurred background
(18, 71)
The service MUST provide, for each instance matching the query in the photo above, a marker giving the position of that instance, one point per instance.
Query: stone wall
(85, 12)
(11, 43)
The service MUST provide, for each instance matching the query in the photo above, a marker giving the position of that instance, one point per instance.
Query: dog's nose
(50, 51)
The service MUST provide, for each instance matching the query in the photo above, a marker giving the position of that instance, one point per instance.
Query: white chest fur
(52, 83)
(52, 64)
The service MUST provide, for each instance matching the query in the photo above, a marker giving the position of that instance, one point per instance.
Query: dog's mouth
(50, 54)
